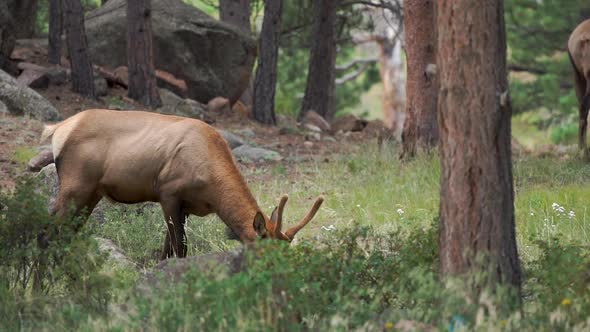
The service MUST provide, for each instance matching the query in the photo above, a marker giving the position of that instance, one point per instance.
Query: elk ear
(259, 224)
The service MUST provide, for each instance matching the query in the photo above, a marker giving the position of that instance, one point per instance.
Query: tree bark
(266, 72)
(320, 88)
(82, 75)
(55, 31)
(236, 13)
(477, 195)
(420, 127)
(140, 54)
(7, 37)
(25, 13)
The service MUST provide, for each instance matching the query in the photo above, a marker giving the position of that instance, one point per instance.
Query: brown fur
(579, 55)
(133, 156)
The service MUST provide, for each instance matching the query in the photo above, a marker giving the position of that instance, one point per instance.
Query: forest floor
(19, 136)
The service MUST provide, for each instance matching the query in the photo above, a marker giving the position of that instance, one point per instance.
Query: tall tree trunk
(392, 76)
(420, 128)
(140, 54)
(320, 89)
(25, 13)
(266, 72)
(477, 195)
(82, 75)
(55, 31)
(7, 37)
(236, 13)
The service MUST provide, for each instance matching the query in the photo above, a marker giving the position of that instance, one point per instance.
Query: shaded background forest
(544, 101)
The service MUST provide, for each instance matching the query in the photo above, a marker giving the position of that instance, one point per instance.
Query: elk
(182, 163)
(579, 54)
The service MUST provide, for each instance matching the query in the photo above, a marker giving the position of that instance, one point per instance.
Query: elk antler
(282, 203)
(290, 233)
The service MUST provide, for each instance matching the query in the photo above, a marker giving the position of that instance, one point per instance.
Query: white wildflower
(572, 214)
(329, 228)
(400, 212)
(554, 206)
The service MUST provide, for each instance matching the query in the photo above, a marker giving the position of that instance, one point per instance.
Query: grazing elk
(579, 53)
(184, 164)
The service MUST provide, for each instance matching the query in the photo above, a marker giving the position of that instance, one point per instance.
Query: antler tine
(314, 209)
(282, 203)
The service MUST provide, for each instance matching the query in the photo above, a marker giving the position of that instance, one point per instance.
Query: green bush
(565, 133)
(48, 264)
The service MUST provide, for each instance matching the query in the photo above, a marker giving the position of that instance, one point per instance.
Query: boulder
(175, 105)
(246, 132)
(115, 254)
(3, 108)
(232, 140)
(212, 57)
(313, 120)
(100, 86)
(22, 100)
(246, 153)
(348, 123)
(172, 270)
(49, 179)
(219, 104)
(57, 75)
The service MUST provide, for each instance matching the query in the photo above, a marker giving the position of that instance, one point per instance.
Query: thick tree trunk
(7, 37)
(25, 14)
(140, 54)
(55, 31)
(477, 195)
(236, 13)
(320, 89)
(420, 127)
(266, 72)
(82, 75)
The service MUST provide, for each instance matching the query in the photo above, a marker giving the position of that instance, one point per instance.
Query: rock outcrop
(212, 57)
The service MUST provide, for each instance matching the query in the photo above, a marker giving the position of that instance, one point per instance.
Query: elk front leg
(175, 241)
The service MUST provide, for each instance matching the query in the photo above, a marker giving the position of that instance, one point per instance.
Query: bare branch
(355, 62)
(352, 75)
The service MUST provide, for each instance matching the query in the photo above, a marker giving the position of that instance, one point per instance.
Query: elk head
(272, 228)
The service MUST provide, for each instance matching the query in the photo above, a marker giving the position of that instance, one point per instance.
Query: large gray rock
(173, 270)
(213, 58)
(21, 100)
(3, 108)
(247, 153)
(232, 140)
(175, 105)
(116, 255)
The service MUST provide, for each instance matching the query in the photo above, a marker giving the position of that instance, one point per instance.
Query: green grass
(374, 188)
(22, 155)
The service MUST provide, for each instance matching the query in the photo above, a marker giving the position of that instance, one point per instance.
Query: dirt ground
(19, 136)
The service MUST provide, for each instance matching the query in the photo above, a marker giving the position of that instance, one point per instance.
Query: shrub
(48, 264)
